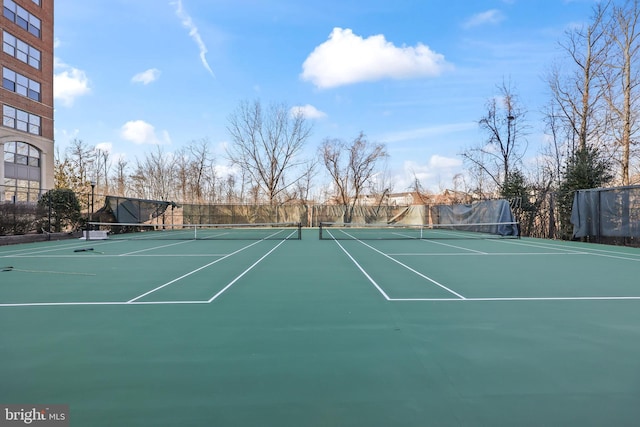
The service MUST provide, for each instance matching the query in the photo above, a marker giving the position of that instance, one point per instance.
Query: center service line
(384, 294)
(246, 271)
(191, 272)
(409, 268)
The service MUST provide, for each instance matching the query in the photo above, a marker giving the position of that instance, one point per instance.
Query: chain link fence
(614, 219)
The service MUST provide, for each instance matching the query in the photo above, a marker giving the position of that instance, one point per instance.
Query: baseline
(95, 303)
(601, 298)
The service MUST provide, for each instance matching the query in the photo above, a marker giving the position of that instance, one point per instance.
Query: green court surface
(443, 332)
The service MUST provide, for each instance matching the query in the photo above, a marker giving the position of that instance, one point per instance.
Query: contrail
(193, 33)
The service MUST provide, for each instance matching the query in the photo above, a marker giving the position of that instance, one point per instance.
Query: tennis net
(131, 231)
(345, 231)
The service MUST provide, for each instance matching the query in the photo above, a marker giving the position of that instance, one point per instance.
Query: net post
(299, 231)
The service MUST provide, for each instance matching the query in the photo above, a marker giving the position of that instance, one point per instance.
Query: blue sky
(413, 74)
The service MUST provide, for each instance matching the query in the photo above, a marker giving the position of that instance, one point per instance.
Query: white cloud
(435, 175)
(308, 111)
(225, 171)
(492, 16)
(106, 147)
(140, 132)
(146, 77)
(194, 33)
(441, 162)
(347, 58)
(69, 83)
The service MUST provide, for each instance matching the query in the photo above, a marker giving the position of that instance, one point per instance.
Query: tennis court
(342, 331)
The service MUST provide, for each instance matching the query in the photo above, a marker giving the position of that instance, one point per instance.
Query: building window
(21, 17)
(36, 2)
(20, 120)
(21, 153)
(22, 172)
(18, 49)
(20, 84)
(21, 190)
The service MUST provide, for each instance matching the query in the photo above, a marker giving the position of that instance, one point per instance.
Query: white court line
(447, 245)
(408, 268)
(543, 246)
(584, 251)
(58, 304)
(453, 246)
(131, 256)
(489, 254)
(603, 298)
(123, 303)
(597, 251)
(164, 302)
(192, 272)
(214, 237)
(615, 257)
(57, 248)
(384, 294)
(8, 252)
(245, 272)
(210, 264)
(154, 235)
(155, 247)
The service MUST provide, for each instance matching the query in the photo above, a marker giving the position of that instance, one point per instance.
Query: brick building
(26, 98)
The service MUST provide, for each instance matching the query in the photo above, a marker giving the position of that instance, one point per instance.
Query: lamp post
(511, 136)
(93, 186)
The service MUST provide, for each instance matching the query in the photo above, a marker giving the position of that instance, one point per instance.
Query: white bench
(94, 235)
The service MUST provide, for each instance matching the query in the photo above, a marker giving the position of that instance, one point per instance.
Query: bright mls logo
(34, 415)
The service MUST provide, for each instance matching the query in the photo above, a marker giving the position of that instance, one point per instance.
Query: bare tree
(81, 157)
(121, 177)
(82, 170)
(230, 189)
(380, 184)
(137, 182)
(305, 183)
(192, 167)
(622, 80)
(153, 178)
(63, 171)
(102, 167)
(212, 184)
(556, 151)
(505, 146)
(181, 166)
(351, 175)
(481, 185)
(200, 167)
(578, 92)
(267, 145)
